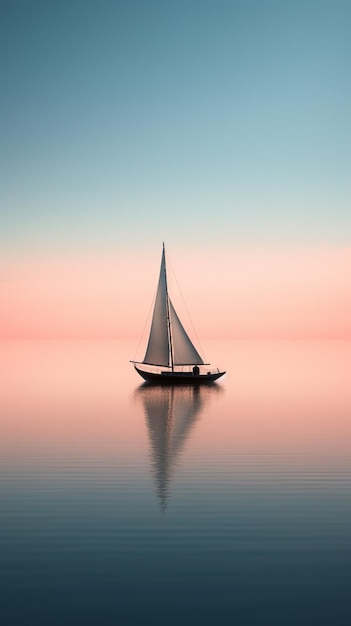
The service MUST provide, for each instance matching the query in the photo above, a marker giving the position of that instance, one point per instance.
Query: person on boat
(196, 370)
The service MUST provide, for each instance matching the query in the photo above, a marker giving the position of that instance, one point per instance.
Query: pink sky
(258, 293)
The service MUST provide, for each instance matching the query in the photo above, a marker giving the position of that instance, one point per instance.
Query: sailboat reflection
(170, 414)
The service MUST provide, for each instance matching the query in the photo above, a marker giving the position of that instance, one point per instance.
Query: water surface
(125, 504)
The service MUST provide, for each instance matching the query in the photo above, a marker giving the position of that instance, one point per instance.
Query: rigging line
(186, 308)
(146, 322)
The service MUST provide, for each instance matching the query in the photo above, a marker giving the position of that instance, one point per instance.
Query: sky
(222, 128)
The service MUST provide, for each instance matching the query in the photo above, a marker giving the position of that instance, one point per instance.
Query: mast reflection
(170, 414)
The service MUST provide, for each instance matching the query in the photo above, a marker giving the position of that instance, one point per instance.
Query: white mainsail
(169, 343)
(157, 352)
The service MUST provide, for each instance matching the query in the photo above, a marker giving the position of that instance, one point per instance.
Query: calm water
(123, 504)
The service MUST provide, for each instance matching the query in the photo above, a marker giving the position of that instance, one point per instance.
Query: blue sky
(219, 123)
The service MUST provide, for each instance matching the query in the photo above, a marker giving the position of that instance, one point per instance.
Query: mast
(168, 315)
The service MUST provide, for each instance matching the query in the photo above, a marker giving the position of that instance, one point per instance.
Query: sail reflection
(170, 414)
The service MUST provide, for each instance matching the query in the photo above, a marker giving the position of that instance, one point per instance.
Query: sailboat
(171, 357)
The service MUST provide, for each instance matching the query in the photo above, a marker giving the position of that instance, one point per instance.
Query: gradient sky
(216, 126)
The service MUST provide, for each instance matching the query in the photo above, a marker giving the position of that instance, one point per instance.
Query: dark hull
(178, 378)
